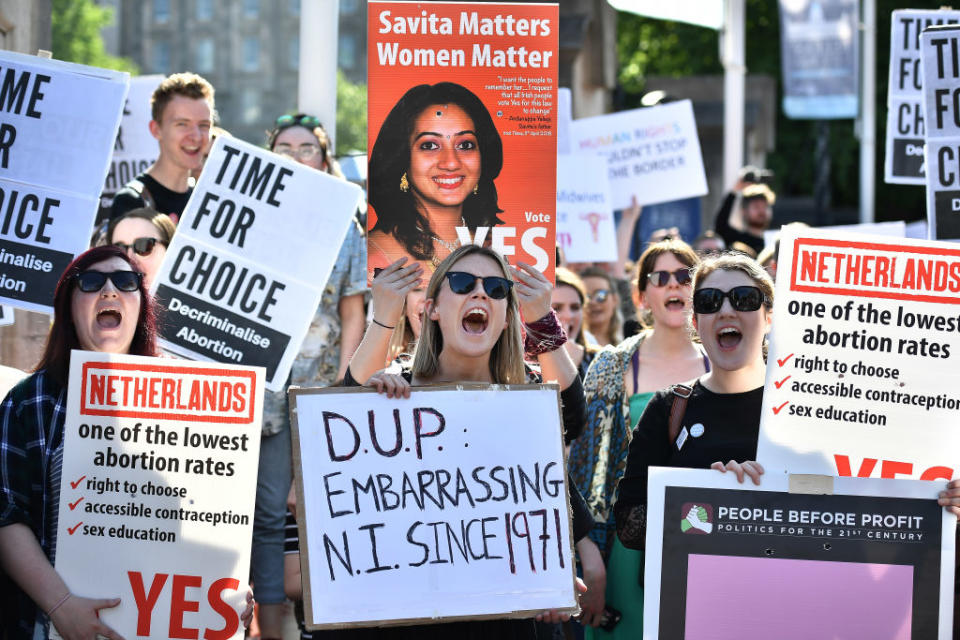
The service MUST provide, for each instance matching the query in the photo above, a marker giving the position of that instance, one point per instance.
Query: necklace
(449, 246)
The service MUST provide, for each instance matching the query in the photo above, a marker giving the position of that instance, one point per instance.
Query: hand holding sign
(78, 618)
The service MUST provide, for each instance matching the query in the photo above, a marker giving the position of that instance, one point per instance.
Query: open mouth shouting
(109, 318)
(728, 338)
(475, 321)
(675, 303)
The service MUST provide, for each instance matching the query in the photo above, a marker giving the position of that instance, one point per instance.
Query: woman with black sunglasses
(145, 235)
(732, 305)
(99, 305)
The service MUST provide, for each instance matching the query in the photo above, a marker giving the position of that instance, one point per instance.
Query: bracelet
(377, 322)
(57, 606)
(544, 335)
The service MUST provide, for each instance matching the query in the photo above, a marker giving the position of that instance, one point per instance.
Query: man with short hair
(755, 206)
(183, 113)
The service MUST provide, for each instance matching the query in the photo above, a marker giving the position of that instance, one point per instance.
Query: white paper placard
(157, 492)
(59, 121)
(585, 227)
(652, 153)
(6, 315)
(862, 377)
(135, 148)
(450, 504)
(873, 558)
(258, 239)
(904, 160)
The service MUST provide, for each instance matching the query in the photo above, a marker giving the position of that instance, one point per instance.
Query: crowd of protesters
(623, 340)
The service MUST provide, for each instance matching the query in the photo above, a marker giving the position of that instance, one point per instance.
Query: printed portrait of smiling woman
(432, 170)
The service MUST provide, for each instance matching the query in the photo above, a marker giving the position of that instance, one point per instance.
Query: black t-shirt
(165, 200)
(729, 426)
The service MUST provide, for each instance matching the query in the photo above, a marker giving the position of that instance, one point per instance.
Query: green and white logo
(696, 518)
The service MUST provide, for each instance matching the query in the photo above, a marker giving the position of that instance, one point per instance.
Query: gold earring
(404, 185)
(476, 188)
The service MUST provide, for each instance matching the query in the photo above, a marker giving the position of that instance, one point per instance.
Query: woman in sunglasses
(732, 304)
(99, 305)
(145, 235)
(618, 385)
(603, 318)
(432, 170)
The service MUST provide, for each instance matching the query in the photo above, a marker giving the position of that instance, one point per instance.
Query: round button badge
(696, 430)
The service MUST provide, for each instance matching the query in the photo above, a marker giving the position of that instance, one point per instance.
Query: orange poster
(462, 127)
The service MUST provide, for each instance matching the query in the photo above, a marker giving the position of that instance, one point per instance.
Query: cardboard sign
(451, 504)
(135, 148)
(652, 153)
(58, 122)
(819, 47)
(941, 71)
(871, 559)
(157, 492)
(904, 161)
(244, 274)
(585, 227)
(862, 377)
(482, 170)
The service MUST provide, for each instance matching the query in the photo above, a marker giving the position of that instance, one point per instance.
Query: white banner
(585, 227)
(58, 122)
(157, 492)
(904, 162)
(135, 148)
(862, 377)
(244, 275)
(652, 153)
(450, 504)
(941, 74)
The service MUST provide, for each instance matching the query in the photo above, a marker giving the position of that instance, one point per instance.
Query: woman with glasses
(432, 170)
(620, 382)
(99, 305)
(145, 235)
(732, 305)
(603, 318)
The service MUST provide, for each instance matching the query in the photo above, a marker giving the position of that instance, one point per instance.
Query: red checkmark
(77, 483)
(780, 384)
(784, 361)
(71, 531)
(776, 410)
(74, 505)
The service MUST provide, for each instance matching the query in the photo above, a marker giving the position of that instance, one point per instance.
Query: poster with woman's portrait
(462, 131)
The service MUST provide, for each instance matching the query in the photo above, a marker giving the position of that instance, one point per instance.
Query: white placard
(59, 121)
(904, 160)
(135, 148)
(157, 492)
(862, 377)
(796, 557)
(652, 153)
(891, 228)
(6, 315)
(585, 227)
(258, 239)
(450, 504)
(941, 75)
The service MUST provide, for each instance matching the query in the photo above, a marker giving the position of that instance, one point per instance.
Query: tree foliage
(649, 47)
(351, 115)
(75, 31)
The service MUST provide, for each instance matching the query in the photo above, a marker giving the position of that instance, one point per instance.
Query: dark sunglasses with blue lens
(462, 283)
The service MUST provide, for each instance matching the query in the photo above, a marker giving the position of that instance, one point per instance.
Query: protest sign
(476, 85)
(891, 228)
(939, 48)
(819, 46)
(53, 159)
(135, 148)
(157, 492)
(6, 315)
(451, 504)
(652, 153)
(904, 161)
(862, 377)
(585, 228)
(242, 279)
(870, 559)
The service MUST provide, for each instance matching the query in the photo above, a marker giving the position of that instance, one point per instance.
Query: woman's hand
(595, 577)
(552, 616)
(390, 289)
(392, 384)
(950, 497)
(533, 292)
(77, 619)
(751, 468)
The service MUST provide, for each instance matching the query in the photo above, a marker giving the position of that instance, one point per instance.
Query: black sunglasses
(744, 298)
(141, 246)
(90, 281)
(661, 278)
(599, 296)
(462, 283)
(310, 122)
